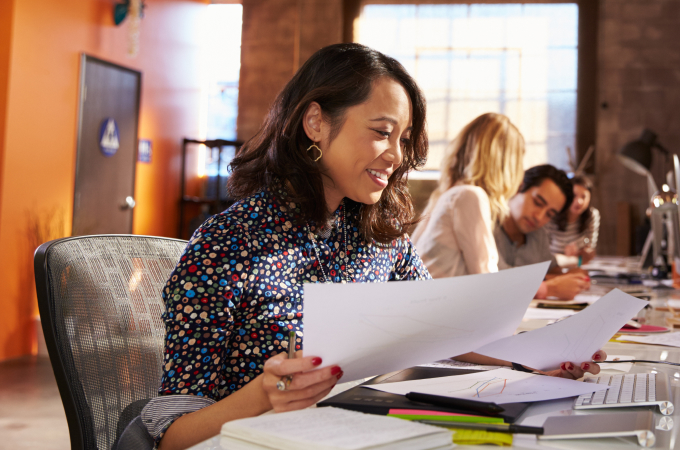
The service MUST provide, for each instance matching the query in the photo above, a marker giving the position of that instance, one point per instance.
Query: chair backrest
(100, 307)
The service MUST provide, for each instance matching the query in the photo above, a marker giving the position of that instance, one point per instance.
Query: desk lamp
(637, 156)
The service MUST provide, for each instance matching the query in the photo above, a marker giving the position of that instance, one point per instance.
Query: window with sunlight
(221, 66)
(516, 59)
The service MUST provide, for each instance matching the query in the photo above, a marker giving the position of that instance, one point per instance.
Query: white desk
(537, 413)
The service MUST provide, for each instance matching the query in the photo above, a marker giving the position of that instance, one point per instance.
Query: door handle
(129, 203)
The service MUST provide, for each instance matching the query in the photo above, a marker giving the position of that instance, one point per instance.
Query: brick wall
(279, 36)
(639, 87)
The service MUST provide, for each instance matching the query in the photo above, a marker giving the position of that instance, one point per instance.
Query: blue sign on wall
(144, 153)
(109, 138)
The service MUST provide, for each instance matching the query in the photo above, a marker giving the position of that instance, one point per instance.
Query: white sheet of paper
(375, 328)
(547, 313)
(498, 386)
(573, 339)
(668, 339)
(621, 367)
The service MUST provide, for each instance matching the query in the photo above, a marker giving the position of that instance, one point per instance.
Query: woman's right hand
(308, 385)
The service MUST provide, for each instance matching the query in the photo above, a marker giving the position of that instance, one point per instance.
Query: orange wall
(6, 9)
(38, 163)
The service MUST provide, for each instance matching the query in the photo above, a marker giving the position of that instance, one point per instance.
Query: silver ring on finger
(281, 385)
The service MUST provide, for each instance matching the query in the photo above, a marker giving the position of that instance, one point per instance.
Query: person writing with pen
(321, 198)
(521, 238)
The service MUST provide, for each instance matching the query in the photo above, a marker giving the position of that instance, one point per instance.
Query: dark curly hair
(535, 176)
(336, 77)
(561, 219)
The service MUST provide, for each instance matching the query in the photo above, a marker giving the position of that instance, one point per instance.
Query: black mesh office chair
(100, 305)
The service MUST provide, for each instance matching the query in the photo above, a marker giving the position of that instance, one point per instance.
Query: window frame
(586, 72)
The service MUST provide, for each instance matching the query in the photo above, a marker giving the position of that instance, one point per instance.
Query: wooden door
(107, 148)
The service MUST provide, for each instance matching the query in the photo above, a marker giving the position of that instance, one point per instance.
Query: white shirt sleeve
(456, 237)
(472, 228)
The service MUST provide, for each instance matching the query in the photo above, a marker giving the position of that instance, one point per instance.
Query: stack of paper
(668, 339)
(547, 314)
(332, 429)
(578, 300)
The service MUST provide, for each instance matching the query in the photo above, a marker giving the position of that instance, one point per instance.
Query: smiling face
(359, 161)
(535, 207)
(581, 201)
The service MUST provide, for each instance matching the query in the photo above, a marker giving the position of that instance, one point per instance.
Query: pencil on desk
(291, 354)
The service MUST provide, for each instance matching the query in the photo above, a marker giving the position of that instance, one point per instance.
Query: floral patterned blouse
(238, 289)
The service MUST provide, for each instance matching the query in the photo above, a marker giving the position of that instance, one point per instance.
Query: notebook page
(329, 428)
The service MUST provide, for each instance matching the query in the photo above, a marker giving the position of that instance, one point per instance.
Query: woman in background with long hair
(482, 169)
(575, 232)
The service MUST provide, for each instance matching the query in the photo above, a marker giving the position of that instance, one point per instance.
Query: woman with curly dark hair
(321, 197)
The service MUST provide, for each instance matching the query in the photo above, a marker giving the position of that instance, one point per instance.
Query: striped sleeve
(161, 412)
(560, 239)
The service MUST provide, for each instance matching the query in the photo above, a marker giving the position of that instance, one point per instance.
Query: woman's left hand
(576, 371)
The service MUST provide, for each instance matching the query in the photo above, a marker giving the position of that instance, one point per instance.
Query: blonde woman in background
(481, 170)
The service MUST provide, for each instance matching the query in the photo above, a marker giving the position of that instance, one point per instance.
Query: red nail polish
(335, 370)
(563, 367)
(340, 375)
(316, 361)
(586, 366)
(571, 367)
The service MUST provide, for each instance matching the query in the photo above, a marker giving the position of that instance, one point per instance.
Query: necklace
(346, 257)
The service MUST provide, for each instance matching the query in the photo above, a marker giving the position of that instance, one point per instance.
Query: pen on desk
(502, 427)
(451, 402)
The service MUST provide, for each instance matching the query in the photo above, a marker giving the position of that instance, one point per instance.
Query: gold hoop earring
(316, 147)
